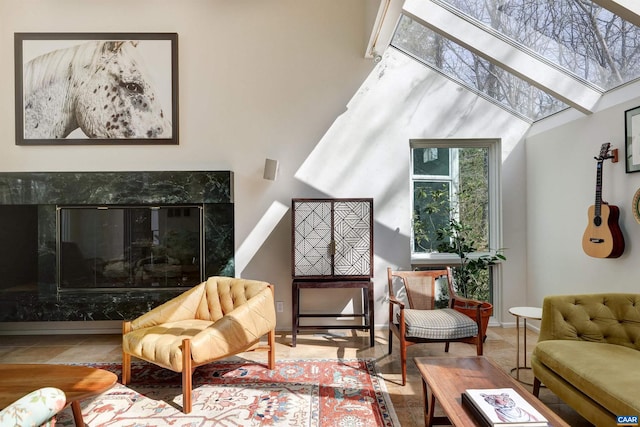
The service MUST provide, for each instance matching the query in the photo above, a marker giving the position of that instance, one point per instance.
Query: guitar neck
(598, 203)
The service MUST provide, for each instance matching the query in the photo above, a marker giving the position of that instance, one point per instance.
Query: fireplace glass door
(129, 247)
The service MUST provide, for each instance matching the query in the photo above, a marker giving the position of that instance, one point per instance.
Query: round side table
(534, 313)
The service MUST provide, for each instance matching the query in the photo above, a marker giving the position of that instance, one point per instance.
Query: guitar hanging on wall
(603, 237)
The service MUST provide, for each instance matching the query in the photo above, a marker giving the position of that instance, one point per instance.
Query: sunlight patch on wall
(367, 147)
(259, 235)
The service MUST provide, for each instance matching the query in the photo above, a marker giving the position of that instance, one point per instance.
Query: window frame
(494, 203)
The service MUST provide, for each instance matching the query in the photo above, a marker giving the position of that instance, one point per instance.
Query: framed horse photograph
(96, 88)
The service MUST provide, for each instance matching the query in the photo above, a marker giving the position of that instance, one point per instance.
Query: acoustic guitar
(603, 237)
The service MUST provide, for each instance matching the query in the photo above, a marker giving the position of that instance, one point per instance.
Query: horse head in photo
(100, 87)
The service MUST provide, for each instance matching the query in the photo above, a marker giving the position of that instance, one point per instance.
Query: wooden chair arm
(458, 301)
(395, 301)
(472, 308)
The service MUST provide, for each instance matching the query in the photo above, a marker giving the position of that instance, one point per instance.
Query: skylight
(478, 74)
(533, 57)
(584, 38)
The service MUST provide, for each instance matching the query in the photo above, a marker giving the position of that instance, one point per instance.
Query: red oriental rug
(297, 393)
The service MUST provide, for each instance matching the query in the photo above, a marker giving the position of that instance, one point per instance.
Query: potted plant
(445, 225)
(471, 274)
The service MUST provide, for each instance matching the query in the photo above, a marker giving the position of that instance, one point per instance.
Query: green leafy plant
(458, 229)
(471, 276)
(431, 212)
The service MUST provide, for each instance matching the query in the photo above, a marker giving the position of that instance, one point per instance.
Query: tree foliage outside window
(473, 71)
(451, 214)
(579, 35)
(461, 192)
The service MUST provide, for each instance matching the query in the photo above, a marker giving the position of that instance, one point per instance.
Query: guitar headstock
(604, 152)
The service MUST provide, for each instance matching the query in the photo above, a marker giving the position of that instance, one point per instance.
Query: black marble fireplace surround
(30, 238)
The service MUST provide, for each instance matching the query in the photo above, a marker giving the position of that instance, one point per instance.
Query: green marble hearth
(29, 237)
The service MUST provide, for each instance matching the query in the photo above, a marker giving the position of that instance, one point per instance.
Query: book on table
(501, 407)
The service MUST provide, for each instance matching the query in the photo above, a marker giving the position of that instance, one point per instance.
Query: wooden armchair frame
(200, 337)
(420, 289)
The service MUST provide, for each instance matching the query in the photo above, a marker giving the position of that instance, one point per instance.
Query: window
(455, 180)
(435, 172)
(474, 72)
(582, 46)
(581, 36)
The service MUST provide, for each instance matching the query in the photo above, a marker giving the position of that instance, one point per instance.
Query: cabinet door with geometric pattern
(311, 238)
(332, 238)
(353, 238)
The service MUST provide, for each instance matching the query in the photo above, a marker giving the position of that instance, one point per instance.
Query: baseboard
(61, 328)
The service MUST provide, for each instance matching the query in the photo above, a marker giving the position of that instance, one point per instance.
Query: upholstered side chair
(37, 408)
(421, 321)
(213, 320)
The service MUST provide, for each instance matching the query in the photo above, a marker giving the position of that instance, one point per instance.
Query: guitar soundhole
(597, 221)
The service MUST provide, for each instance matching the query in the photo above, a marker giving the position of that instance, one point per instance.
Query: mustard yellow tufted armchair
(213, 320)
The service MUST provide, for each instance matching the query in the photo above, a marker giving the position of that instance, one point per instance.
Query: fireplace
(127, 247)
(109, 245)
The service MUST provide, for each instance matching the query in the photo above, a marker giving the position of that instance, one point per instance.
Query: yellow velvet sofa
(588, 354)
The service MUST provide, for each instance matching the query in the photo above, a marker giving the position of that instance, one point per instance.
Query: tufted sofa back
(210, 301)
(223, 294)
(612, 318)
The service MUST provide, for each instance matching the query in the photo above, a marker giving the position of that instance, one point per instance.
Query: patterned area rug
(297, 393)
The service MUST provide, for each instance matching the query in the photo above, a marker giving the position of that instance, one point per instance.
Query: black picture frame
(108, 88)
(632, 139)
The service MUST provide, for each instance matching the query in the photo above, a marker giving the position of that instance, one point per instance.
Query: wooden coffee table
(77, 382)
(445, 379)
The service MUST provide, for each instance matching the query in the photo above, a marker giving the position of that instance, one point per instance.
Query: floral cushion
(35, 409)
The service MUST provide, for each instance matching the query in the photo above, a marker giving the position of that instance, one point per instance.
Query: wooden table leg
(77, 413)
(429, 404)
(430, 407)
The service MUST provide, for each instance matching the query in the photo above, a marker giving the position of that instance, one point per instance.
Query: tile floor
(407, 400)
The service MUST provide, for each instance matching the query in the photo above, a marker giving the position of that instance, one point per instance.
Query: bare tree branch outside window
(578, 35)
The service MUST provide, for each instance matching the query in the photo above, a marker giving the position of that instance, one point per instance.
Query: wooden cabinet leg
(295, 310)
(370, 312)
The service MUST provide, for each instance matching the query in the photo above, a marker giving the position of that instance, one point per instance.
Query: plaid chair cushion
(441, 324)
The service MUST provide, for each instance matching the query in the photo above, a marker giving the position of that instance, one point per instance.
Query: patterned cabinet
(332, 249)
(332, 239)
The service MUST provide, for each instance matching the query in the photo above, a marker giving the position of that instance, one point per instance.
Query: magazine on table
(502, 407)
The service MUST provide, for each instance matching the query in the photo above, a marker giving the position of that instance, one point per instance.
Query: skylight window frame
(554, 81)
(519, 46)
(475, 90)
(629, 10)
(606, 15)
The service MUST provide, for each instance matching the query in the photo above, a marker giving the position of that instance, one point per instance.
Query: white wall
(561, 179)
(366, 152)
(287, 80)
